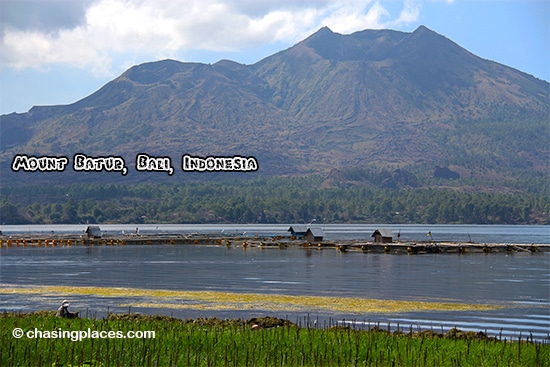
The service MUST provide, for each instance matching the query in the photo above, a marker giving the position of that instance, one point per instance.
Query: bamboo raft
(280, 242)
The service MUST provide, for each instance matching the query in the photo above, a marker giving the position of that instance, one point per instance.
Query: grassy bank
(255, 342)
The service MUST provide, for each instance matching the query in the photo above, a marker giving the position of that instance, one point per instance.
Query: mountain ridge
(374, 97)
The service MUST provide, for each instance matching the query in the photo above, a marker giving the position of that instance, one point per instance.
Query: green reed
(272, 342)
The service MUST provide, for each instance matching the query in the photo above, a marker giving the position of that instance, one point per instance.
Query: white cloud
(351, 16)
(168, 27)
(45, 16)
(409, 14)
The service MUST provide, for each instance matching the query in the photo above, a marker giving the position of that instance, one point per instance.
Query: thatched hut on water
(383, 235)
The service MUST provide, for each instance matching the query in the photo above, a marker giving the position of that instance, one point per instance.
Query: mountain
(404, 98)
(331, 102)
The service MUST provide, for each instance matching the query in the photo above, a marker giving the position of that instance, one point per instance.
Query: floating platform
(280, 242)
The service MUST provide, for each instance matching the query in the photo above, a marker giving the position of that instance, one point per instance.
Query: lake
(408, 232)
(515, 286)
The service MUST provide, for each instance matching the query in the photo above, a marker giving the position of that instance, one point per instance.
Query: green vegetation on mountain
(269, 200)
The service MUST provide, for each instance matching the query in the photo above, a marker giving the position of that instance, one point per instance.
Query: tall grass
(256, 342)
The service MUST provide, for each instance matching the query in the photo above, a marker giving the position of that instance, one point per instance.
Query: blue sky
(59, 51)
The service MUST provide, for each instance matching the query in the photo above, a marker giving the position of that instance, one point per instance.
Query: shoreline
(305, 322)
(162, 341)
(279, 242)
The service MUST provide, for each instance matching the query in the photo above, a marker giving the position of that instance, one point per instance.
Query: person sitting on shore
(63, 311)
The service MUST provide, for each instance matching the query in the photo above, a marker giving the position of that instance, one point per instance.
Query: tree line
(265, 200)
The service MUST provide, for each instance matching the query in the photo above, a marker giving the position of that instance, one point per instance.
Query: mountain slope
(398, 96)
(164, 108)
(388, 75)
(379, 97)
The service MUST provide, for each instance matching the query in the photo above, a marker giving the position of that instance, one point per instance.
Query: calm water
(408, 232)
(520, 282)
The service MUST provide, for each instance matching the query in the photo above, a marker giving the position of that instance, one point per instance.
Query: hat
(65, 303)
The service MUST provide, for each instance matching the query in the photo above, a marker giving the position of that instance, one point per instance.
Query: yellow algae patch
(213, 300)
